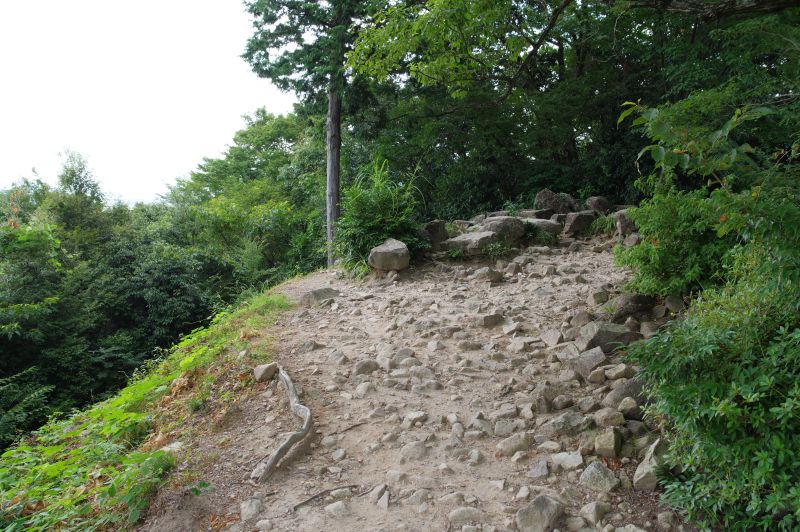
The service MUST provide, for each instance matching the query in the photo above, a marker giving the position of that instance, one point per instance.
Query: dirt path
(414, 384)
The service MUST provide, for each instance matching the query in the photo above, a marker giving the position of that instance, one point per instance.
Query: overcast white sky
(143, 89)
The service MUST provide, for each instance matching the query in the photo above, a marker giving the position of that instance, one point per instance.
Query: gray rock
(599, 204)
(567, 424)
(413, 452)
(250, 508)
(437, 233)
(315, 297)
(608, 443)
(509, 229)
(552, 337)
(626, 305)
(540, 515)
(265, 372)
(609, 417)
(466, 514)
(674, 303)
(558, 203)
(578, 222)
(645, 479)
(620, 371)
(633, 239)
(587, 361)
(606, 336)
(563, 401)
(489, 320)
(624, 388)
(568, 461)
(391, 255)
(630, 408)
(365, 367)
(487, 274)
(512, 444)
(625, 225)
(337, 509)
(538, 470)
(598, 477)
(595, 511)
(547, 226)
(471, 244)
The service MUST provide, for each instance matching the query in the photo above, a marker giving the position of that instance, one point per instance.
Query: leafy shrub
(681, 250)
(375, 208)
(539, 237)
(604, 225)
(727, 381)
(496, 250)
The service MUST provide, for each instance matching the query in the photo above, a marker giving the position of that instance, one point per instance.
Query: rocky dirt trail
(452, 396)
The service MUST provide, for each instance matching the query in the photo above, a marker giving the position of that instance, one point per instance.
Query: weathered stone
(587, 361)
(547, 226)
(620, 371)
(597, 298)
(265, 372)
(509, 229)
(540, 515)
(567, 424)
(466, 514)
(391, 255)
(487, 274)
(436, 231)
(365, 367)
(626, 305)
(560, 402)
(552, 337)
(538, 470)
(492, 319)
(644, 479)
(578, 222)
(413, 452)
(624, 388)
(338, 509)
(625, 225)
(512, 444)
(633, 239)
(595, 511)
(598, 477)
(609, 417)
(630, 408)
(608, 443)
(606, 336)
(250, 508)
(315, 297)
(558, 203)
(599, 204)
(568, 461)
(471, 244)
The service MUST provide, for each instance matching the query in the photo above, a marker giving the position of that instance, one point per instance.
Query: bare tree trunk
(333, 150)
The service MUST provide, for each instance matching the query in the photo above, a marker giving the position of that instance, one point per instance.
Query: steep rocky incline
(453, 396)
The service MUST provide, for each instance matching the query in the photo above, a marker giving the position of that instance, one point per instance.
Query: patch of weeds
(496, 250)
(455, 253)
(538, 237)
(604, 225)
(94, 470)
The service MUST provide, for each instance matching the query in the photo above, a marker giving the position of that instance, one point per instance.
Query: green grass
(90, 470)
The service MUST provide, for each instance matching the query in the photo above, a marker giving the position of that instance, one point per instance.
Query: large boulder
(508, 228)
(625, 225)
(391, 255)
(606, 336)
(548, 226)
(645, 479)
(558, 203)
(599, 204)
(540, 515)
(436, 232)
(578, 222)
(471, 244)
(543, 214)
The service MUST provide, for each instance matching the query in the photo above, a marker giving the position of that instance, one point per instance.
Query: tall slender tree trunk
(333, 149)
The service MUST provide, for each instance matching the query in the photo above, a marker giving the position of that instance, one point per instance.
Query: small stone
(512, 444)
(365, 367)
(376, 493)
(265, 372)
(595, 511)
(383, 502)
(338, 455)
(539, 516)
(413, 452)
(552, 338)
(364, 389)
(609, 417)
(666, 521)
(523, 493)
(608, 443)
(575, 524)
(561, 402)
(620, 371)
(338, 509)
(630, 408)
(489, 320)
(250, 508)
(598, 477)
(263, 525)
(465, 515)
(568, 461)
(539, 470)
(411, 418)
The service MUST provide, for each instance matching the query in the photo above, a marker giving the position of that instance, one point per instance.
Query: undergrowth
(92, 469)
